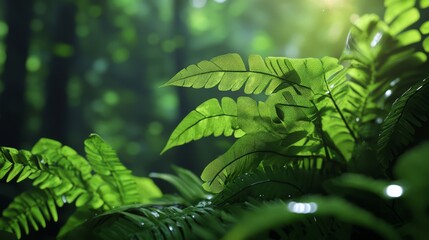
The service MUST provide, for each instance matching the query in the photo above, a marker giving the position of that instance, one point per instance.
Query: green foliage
(408, 112)
(279, 213)
(62, 176)
(187, 184)
(145, 222)
(210, 118)
(306, 164)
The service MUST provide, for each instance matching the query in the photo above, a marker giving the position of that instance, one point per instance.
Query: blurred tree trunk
(64, 47)
(12, 99)
(180, 56)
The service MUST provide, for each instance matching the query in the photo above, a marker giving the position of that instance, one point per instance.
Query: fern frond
(268, 75)
(407, 113)
(52, 166)
(78, 184)
(119, 187)
(383, 63)
(277, 214)
(210, 118)
(145, 222)
(249, 151)
(22, 164)
(273, 182)
(33, 208)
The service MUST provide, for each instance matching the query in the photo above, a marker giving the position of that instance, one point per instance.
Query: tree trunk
(64, 44)
(180, 29)
(12, 99)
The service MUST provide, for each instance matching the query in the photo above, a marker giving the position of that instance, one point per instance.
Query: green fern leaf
(146, 222)
(256, 117)
(78, 184)
(383, 63)
(273, 182)
(229, 73)
(277, 214)
(210, 118)
(358, 182)
(33, 208)
(120, 187)
(249, 151)
(22, 164)
(407, 113)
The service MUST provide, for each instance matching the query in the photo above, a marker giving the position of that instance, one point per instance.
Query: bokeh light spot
(63, 50)
(33, 63)
(302, 208)
(199, 3)
(37, 25)
(111, 98)
(133, 148)
(3, 28)
(394, 191)
(261, 42)
(120, 55)
(155, 128)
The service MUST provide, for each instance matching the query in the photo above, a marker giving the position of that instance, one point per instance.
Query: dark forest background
(69, 68)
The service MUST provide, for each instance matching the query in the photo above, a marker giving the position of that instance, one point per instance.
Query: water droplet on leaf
(379, 120)
(376, 39)
(388, 93)
(155, 214)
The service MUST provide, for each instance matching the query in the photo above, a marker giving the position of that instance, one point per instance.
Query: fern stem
(247, 71)
(339, 111)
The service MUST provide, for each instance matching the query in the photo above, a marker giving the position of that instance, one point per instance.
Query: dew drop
(155, 214)
(64, 198)
(142, 224)
(204, 203)
(376, 39)
(170, 228)
(388, 93)
(379, 120)
(42, 161)
(394, 82)
(357, 119)
(419, 88)
(331, 86)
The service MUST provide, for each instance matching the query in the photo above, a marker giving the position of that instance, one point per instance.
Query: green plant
(326, 155)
